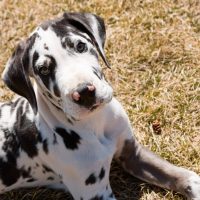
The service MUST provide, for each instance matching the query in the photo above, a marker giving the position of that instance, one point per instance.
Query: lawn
(153, 47)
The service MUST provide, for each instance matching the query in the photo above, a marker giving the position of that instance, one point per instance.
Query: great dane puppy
(65, 131)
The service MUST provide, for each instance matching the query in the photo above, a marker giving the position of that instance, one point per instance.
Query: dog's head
(62, 56)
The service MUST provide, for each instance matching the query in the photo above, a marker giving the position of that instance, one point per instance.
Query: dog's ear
(92, 25)
(16, 73)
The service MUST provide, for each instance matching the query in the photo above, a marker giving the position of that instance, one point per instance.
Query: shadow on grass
(125, 187)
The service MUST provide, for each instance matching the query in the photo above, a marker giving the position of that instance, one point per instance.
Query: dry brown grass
(153, 47)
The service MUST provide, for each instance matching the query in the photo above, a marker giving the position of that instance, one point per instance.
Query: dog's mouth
(100, 103)
(94, 107)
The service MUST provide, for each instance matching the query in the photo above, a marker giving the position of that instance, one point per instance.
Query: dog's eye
(81, 47)
(44, 70)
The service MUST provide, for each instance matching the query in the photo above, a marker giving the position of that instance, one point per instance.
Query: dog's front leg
(144, 164)
(147, 166)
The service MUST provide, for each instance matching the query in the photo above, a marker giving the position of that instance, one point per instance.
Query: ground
(153, 48)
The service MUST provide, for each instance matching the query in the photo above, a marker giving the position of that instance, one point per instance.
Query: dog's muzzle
(84, 96)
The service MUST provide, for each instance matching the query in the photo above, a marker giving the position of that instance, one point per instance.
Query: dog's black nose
(84, 95)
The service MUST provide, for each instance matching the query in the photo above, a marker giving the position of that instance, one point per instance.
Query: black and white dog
(65, 131)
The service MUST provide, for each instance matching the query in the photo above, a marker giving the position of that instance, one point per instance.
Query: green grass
(153, 48)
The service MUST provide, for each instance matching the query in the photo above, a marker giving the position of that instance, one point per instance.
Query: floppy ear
(16, 73)
(91, 24)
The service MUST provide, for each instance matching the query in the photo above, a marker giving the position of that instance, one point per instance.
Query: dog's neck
(49, 113)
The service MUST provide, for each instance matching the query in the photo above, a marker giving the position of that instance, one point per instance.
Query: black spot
(98, 73)
(60, 29)
(71, 139)
(50, 95)
(56, 90)
(74, 119)
(37, 165)
(50, 178)
(52, 66)
(25, 173)
(69, 120)
(47, 169)
(29, 169)
(66, 41)
(46, 47)
(81, 198)
(8, 170)
(102, 173)
(55, 105)
(45, 146)
(39, 137)
(35, 58)
(51, 100)
(90, 180)
(97, 198)
(11, 144)
(55, 139)
(31, 180)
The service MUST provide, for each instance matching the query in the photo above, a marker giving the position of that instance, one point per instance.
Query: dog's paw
(192, 190)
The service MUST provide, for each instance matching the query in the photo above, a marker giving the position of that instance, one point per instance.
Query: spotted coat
(64, 130)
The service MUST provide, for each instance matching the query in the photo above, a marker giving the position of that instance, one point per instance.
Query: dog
(63, 130)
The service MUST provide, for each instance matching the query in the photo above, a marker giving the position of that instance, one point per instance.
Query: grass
(153, 48)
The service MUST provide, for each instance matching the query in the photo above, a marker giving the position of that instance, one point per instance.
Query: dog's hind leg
(145, 165)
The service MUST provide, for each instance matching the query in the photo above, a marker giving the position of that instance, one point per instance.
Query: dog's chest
(94, 151)
(87, 161)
